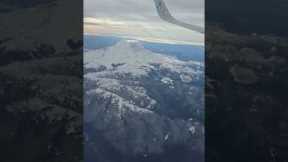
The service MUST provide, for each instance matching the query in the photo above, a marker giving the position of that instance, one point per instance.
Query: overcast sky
(139, 19)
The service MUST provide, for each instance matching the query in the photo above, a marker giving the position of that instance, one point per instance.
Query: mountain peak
(130, 57)
(129, 44)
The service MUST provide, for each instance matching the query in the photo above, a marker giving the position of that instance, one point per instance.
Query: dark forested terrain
(246, 96)
(246, 80)
(40, 84)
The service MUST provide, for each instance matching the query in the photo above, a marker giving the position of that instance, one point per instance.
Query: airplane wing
(165, 15)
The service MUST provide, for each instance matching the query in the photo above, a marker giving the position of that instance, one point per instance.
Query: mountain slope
(142, 103)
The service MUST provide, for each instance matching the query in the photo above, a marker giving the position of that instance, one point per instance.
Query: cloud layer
(139, 19)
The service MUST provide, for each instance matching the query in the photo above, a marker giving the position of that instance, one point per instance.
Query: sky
(138, 19)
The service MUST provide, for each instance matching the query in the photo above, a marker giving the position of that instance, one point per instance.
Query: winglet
(163, 11)
(164, 14)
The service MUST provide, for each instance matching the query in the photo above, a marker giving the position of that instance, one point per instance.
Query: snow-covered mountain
(130, 57)
(141, 102)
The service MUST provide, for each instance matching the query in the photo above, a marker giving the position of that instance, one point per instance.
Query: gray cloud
(139, 19)
(143, 10)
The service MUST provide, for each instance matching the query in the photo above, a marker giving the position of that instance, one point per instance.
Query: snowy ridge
(119, 69)
(131, 57)
(119, 100)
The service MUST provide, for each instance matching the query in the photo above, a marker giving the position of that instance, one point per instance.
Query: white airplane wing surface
(164, 14)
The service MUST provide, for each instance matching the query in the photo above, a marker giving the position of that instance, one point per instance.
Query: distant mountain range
(181, 51)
